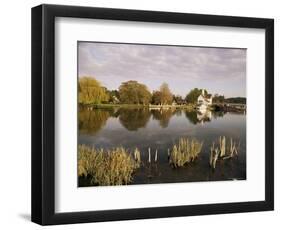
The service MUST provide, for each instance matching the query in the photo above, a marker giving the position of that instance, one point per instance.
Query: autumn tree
(165, 94)
(91, 92)
(132, 92)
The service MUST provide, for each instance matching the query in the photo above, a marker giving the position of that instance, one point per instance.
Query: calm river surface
(160, 129)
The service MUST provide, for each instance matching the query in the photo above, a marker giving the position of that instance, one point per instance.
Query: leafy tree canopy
(236, 100)
(166, 97)
(193, 95)
(178, 99)
(218, 98)
(132, 92)
(91, 92)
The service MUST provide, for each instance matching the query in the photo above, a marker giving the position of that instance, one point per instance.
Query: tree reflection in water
(196, 117)
(163, 116)
(91, 121)
(134, 118)
(192, 117)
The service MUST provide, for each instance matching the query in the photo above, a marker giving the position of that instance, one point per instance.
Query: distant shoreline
(99, 106)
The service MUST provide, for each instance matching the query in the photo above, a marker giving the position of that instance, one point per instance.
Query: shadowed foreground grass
(107, 167)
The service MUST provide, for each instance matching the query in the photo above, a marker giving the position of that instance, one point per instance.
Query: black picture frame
(43, 114)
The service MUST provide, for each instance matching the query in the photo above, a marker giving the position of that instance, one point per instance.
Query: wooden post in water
(149, 156)
(168, 154)
(155, 157)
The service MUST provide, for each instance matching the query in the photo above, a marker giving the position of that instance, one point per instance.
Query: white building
(203, 101)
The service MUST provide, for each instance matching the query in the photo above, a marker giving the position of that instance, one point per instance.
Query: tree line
(90, 91)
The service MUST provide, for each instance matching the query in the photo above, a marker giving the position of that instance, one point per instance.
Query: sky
(219, 70)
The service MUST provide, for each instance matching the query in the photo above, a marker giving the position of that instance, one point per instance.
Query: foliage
(178, 99)
(107, 167)
(223, 151)
(193, 95)
(185, 151)
(114, 96)
(166, 97)
(218, 98)
(132, 92)
(156, 97)
(163, 96)
(236, 100)
(91, 92)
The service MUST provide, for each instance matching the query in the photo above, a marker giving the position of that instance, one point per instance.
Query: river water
(160, 129)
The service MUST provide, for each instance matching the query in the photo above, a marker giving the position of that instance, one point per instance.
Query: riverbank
(104, 106)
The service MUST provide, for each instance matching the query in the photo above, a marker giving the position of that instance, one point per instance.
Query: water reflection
(133, 119)
(159, 129)
(91, 121)
(196, 117)
(163, 116)
(204, 117)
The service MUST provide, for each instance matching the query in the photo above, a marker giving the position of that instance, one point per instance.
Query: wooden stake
(155, 157)
(149, 156)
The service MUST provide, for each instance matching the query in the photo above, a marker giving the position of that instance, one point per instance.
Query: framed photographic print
(142, 114)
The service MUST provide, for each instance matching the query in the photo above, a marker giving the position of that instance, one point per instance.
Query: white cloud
(189, 67)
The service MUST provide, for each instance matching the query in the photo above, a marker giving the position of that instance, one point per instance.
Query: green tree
(132, 92)
(218, 98)
(90, 91)
(178, 99)
(114, 96)
(193, 94)
(236, 100)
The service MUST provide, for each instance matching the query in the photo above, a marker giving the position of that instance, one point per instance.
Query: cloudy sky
(219, 70)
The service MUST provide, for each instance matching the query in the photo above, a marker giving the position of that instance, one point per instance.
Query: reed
(107, 167)
(185, 151)
(137, 156)
(223, 151)
(214, 155)
(222, 146)
(233, 148)
(149, 156)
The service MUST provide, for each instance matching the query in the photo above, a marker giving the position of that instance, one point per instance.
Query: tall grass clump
(107, 167)
(223, 151)
(185, 151)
